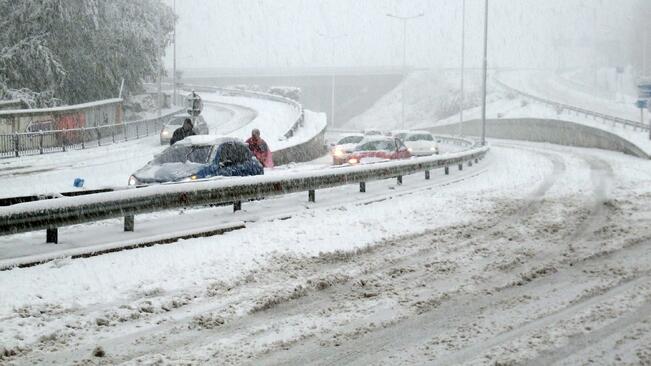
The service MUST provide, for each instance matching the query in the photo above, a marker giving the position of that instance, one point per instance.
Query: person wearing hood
(182, 132)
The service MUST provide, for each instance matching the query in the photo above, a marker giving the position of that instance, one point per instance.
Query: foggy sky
(285, 33)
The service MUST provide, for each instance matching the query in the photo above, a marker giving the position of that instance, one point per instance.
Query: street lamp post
(404, 57)
(333, 39)
(174, 57)
(485, 66)
(644, 50)
(463, 65)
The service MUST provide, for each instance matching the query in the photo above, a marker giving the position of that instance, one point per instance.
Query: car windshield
(372, 133)
(420, 137)
(176, 121)
(350, 140)
(183, 154)
(377, 146)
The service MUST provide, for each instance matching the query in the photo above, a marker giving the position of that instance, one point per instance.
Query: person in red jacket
(260, 149)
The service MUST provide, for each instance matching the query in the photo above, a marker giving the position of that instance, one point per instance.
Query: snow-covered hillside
(429, 96)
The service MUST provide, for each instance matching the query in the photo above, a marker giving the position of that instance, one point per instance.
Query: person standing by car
(182, 132)
(260, 149)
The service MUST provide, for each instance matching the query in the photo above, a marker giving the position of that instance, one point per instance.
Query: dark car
(200, 127)
(199, 157)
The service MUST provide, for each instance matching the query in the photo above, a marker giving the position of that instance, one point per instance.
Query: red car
(379, 148)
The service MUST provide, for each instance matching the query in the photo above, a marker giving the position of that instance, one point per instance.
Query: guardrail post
(237, 206)
(469, 162)
(99, 137)
(52, 235)
(476, 160)
(40, 142)
(147, 128)
(311, 195)
(16, 144)
(129, 223)
(447, 170)
(400, 179)
(83, 138)
(113, 133)
(427, 175)
(137, 131)
(362, 187)
(461, 166)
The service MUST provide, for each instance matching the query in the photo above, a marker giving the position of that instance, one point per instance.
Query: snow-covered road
(553, 87)
(103, 166)
(543, 258)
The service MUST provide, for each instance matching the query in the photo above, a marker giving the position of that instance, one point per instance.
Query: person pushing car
(183, 131)
(260, 149)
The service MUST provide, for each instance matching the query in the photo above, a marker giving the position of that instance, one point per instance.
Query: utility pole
(463, 64)
(404, 57)
(160, 98)
(645, 50)
(174, 61)
(333, 39)
(485, 76)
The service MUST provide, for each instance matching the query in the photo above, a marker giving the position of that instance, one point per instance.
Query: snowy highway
(537, 255)
(103, 166)
(422, 182)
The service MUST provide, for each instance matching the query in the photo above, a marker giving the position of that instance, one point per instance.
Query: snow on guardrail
(65, 211)
(587, 113)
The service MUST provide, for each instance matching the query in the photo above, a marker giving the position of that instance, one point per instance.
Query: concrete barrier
(310, 150)
(546, 130)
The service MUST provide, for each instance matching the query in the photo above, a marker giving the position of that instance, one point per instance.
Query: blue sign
(642, 103)
(644, 90)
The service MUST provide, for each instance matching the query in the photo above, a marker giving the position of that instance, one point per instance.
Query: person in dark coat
(260, 149)
(182, 132)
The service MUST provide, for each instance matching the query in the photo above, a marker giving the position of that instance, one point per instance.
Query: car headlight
(410, 149)
(165, 133)
(353, 161)
(433, 148)
(133, 181)
(338, 153)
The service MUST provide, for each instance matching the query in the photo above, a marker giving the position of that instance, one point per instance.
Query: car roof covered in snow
(376, 138)
(419, 132)
(351, 134)
(207, 140)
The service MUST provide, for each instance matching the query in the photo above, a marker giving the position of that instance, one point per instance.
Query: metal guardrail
(31, 143)
(579, 111)
(53, 213)
(298, 123)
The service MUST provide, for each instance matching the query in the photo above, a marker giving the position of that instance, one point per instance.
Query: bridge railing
(560, 107)
(296, 106)
(41, 142)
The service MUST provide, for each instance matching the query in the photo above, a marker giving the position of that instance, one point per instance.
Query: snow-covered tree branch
(79, 51)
